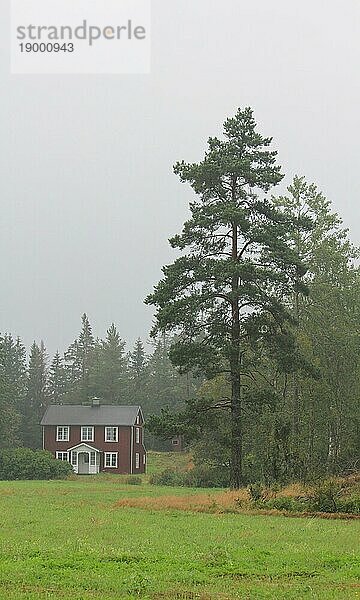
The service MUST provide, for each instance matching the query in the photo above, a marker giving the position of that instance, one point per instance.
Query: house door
(83, 463)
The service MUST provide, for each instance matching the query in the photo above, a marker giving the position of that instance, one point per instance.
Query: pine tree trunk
(236, 478)
(296, 397)
(235, 363)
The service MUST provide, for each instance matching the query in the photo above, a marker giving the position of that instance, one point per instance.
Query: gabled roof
(78, 414)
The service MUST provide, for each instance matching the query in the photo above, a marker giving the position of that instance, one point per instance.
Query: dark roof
(78, 414)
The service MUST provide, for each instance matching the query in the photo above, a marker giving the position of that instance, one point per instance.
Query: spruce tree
(137, 360)
(12, 390)
(78, 361)
(36, 398)
(58, 384)
(109, 371)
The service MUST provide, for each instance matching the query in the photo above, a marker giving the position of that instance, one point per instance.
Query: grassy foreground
(71, 540)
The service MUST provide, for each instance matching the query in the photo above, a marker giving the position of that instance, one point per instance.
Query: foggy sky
(88, 197)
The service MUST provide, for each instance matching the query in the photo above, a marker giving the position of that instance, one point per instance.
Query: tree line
(89, 368)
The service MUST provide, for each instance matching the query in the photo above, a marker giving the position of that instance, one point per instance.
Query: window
(111, 459)
(175, 442)
(62, 456)
(73, 458)
(137, 435)
(92, 459)
(87, 434)
(62, 433)
(111, 434)
(138, 420)
(144, 459)
(137, 460)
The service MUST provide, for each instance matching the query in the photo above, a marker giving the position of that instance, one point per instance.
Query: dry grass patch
(237, 501)
(217, 502)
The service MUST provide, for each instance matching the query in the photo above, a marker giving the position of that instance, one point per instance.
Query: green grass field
(69, 540)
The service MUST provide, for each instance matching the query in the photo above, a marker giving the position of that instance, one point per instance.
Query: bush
(23, 463)
(206, 476)
(256, 492)
(326, 496)
(349, 505)
(167, 477)
(133, 480)
(286, 503)
(201, 476)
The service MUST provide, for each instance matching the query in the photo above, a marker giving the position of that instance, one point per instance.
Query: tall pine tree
(229, 290)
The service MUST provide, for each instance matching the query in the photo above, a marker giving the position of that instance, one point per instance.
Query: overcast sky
(88, 197)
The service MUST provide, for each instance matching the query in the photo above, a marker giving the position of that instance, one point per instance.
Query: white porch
(85, 459)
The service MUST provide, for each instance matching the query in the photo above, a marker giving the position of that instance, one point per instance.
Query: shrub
(133, 480)
(256, 492)
(349, 505)
(200, 476)
(167, 477)
(326, 496)
(288, 504)
(23, 463)
(206, 476)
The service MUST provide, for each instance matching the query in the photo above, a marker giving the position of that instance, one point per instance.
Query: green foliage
(256, 492)
(133, 480)
(137, 360)
(168, 477)
(202, 476)
(57, 380)
(349, 505)
(12, 390)
(23, 463)
(78, 361)
(227, 296)
(206, 476)
(36, 398)
(326, 496)
(108, 368)
(159, 461)
(286, 504)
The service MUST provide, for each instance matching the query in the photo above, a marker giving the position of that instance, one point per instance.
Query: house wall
(140, 449)
(123, 446)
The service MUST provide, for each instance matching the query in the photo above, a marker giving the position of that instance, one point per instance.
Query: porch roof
(86, 446)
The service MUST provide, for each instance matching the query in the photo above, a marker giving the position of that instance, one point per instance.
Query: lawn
(70, 540)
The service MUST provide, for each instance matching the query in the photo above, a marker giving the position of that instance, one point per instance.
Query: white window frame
(144, 459)
(92, 458)
(110, 455)
(137, 435)
(63, 428)
(60, 455)
(137, 460)
(74, 458)
(116, 434)
(87, 428)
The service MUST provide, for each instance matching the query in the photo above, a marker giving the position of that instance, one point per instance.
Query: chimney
(95, 402)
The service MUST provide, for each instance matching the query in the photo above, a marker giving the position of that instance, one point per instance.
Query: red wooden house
(96, 438)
